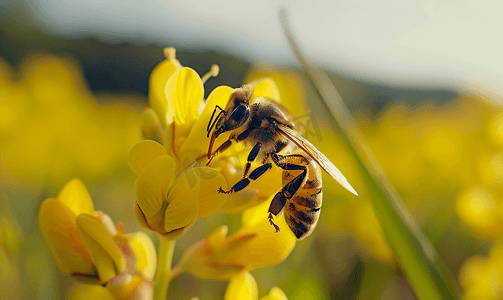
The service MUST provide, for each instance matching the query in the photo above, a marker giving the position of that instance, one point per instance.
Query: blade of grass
(415, 252)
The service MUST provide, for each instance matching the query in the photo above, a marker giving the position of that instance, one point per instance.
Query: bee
(266, 125)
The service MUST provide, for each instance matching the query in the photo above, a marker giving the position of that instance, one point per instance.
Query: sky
(430, 44)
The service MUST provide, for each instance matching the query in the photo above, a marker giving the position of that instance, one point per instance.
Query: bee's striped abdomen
(303, 209)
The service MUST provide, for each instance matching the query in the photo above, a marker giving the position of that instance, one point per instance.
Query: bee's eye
(238, 116)
(241, 112)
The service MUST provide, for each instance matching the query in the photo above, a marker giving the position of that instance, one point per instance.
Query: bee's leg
(287, 163)
(251, 157)
(277, 204)
(228, 143)
(222, 147)
(246, 181)
(291, 163)
(287, 192)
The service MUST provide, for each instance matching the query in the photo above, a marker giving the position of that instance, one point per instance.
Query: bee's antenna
(211, 119)
(212, 115)
(214, 122)
(211, 123)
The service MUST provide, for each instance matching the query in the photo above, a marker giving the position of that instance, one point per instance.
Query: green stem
(163, 275)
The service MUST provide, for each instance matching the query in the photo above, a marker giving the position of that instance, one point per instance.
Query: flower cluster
(178, 118)
(52, 129)
(87, 246)
(172, 190)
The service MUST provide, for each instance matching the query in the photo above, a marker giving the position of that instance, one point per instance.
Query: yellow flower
(254, 245)
(176, 97)
(470, 270)
(87, 245)
(104, 253)
(480, 211)
(482, 278)
(58, 224)
(244, 287)
(167, 204)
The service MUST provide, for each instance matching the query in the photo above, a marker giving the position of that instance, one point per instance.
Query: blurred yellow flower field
(53, 128)
(144, 165)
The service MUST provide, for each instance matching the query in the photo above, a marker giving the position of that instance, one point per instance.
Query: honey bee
(265, 124)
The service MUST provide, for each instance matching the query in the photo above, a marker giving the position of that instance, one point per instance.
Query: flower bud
(242, 286)
(57, 221)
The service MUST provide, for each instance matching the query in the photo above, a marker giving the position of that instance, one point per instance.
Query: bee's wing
(321, 159)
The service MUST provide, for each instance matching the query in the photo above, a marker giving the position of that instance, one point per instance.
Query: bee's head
(235, 114)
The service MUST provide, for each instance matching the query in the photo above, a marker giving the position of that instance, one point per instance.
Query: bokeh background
(423, 81)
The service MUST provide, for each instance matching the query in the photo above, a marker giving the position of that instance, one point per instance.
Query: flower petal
(193, 146)
(268, 248)
(182, 198)
(217, 236)
(266, 87)
(57, 223)
(157, 84)
(91, 291)
(255, 215)
(275, 294)
(142, 154)
(184, 92)
(269, 183)
(208, 258)
(238, 202)
(209, 200)
(140, 216)
(107, 222)
(124, 286)
(151, 187)
(257, 192)
(180, 213)
(75, 196)
(242, 286)
(101, 246)
(169, 140)
(149, 123)
(187, 184)
(145, 253)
